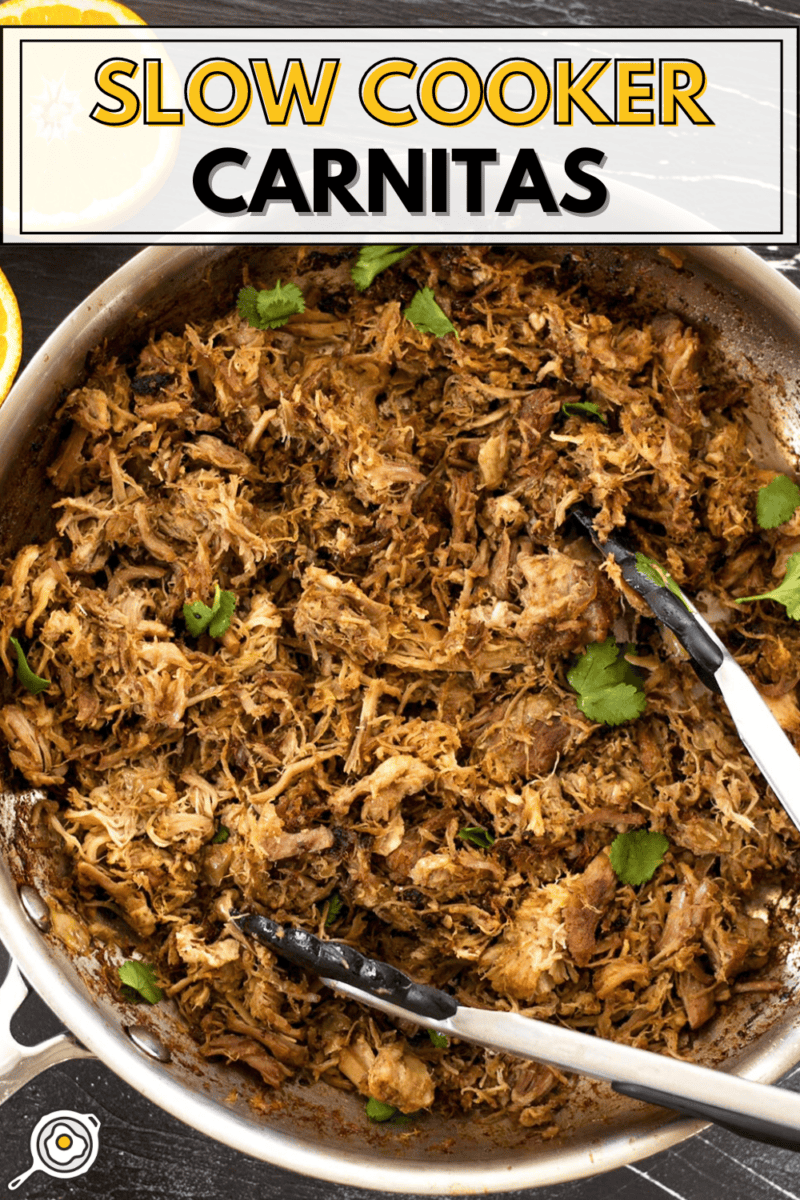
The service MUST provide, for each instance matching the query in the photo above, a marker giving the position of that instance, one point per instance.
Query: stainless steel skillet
(322, 1133)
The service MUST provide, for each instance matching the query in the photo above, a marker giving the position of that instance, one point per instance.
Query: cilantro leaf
(34, 683)
(574, 407)
(438, 1039)
(221, 613)
(142, 978)
(335, 906)
(425, 315)
(222, 835)
(787, 592)
(636, 854)
(378, 1111)
(477, 835)
(270, 308)
(197, 617)
(247, 304)
(609, 688)
(655, 573)
(775, 503)
(216, 620)
(374, 259)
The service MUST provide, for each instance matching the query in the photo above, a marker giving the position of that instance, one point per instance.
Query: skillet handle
(758, 1129)
(19, 1064)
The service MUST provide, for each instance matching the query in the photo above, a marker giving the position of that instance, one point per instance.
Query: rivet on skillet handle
(146, 1041)
(35, 906)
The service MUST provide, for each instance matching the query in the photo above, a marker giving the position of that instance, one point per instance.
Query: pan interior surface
(754, 317)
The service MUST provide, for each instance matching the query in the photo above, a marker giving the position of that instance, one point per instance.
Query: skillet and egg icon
(63, 1145)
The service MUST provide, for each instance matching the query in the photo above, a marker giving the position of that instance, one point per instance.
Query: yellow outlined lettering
(629, 92)
(370, 86)
(278, 103)
(496, 82)
(154, 111)
(240, 99)
(428, 86)
(683, 94)
(129, 101)
(573, 89)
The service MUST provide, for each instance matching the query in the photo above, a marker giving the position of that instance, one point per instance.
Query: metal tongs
(765, 741)
(752, 1110)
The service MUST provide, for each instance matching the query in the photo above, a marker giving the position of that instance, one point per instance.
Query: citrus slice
(99, 12)
(10, 336)
(63, 172)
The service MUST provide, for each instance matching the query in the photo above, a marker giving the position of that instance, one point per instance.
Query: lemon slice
(10, 336)
(74, 176)
(100, 12)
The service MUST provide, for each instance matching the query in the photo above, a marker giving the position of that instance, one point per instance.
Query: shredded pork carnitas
(391, 511)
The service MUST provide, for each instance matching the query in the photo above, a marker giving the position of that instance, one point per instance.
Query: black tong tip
(343, 964)
(705, 654)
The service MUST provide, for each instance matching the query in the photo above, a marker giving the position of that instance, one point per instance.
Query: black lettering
(327, 185)
(474, 160)
(526, 163)
(439, 181)
(279, 163)
(411, 191)
(204, 172)
(597, 199)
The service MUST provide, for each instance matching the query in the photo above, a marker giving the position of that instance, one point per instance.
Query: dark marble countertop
(144, 1153)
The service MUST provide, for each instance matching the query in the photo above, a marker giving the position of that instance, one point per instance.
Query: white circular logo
(63, 1144)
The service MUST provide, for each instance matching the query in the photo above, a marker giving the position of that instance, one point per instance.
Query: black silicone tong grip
(705, 654)
(758, 1129)
(335, 960)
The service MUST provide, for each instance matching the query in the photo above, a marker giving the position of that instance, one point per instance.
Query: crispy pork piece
(529, 960)
(697, 992)
(246, 1050)
(524, 736)
(196, 952)
(400, 1078)
(565, 603)
(592, 893)
(332, 614)
(30, 748)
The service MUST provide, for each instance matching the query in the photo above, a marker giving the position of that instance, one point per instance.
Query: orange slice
(99, 12)
(10, 336)
(103, 176)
